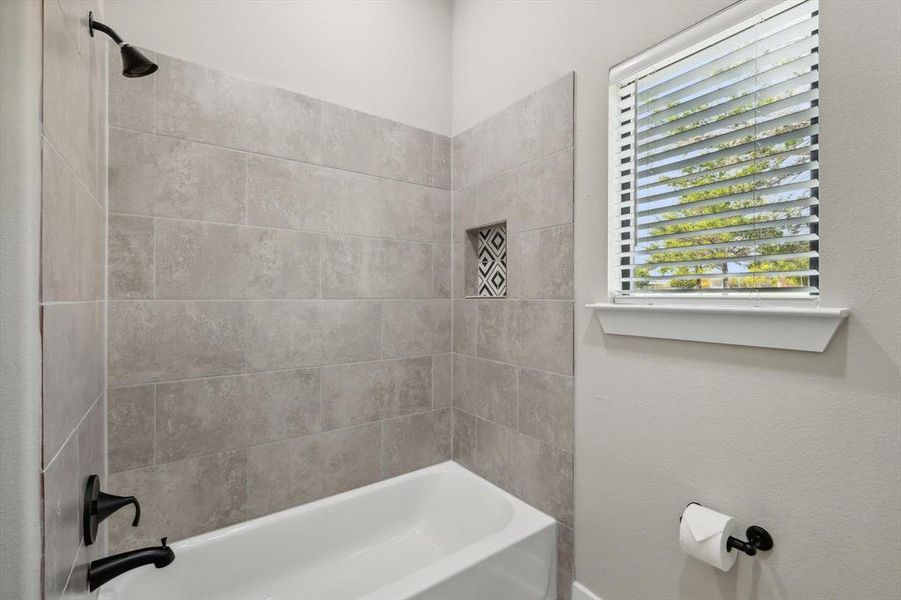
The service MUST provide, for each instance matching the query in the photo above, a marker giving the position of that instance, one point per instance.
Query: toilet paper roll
(703, 533)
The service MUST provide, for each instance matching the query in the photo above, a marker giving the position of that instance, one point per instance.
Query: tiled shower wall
(73, 311)
(513, 356)
(280, 312)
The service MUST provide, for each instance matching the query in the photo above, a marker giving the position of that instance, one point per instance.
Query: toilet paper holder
(758, 539)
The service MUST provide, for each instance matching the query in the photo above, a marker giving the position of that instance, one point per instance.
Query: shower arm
(92, 25)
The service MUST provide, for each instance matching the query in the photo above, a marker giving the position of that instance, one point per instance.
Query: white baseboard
(580, 592)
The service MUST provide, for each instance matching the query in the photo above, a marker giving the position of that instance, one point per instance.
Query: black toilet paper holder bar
(758, 539)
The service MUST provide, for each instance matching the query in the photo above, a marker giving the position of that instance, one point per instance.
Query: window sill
(790, 328)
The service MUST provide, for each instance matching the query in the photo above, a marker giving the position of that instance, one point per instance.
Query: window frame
(721, 25)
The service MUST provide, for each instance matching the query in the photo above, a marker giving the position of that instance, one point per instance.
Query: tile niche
(488, 272)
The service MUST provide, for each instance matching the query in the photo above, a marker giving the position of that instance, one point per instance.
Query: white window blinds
(715, 167)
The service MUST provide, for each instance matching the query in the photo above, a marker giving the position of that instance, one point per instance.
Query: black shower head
(134, 64)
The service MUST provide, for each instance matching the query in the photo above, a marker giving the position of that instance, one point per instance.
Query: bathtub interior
(346, 546)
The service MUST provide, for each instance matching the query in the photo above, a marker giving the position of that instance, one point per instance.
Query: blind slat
(726, 259)
(771, 77)
(769, 111)
(750, 243)
(648, 104)
(725, 214)
(775, 223)
(799, 118)
(737, 150)
(736, 275)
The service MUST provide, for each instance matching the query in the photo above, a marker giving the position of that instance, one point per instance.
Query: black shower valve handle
(98, 506)
(107, 504)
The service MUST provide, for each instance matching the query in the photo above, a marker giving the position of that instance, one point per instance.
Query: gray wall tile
(486, 389)
(416, 441)
(209, 260)
(283, 334)
(244, 270)
(546, 407)
(168, 340)
(535, 126)
(465, 215)
(464, 442)
(351, 330)
(441, 161)
(72, 95)
(62, 518)
(527, 468)
(465, 325)
(283, 193)
(531, 333)
(202, 104)
(357, 141)
(371, 268)
(84, 454)
(72, 235)
(207, 416)
(413, 212)
(365, 392)
(73, 367)
(540, 263)
(442, 286)
(285, 474)
(132, 425)
(565, 561)
(282, 264)
(515, 426)
(132, 101)
(534, 196)
(180, 499)
(442, 380)
(415, 327)
(166, 177)
(131, 257)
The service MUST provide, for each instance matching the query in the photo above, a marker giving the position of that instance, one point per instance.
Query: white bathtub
(440, 532)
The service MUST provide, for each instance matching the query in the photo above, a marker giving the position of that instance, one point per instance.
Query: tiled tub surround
(73, 311)
(513, 356)
(280, 318)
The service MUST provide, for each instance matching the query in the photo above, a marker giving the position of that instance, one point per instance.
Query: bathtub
(440, 533)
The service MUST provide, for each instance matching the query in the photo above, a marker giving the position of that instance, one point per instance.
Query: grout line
(517, 431)
(518, 366)
(153, 276)
(277, 157)
(272, 371)
(69, 302)
(155, 425)
(71, 170)
(319, 232)
(515, 168)
(73, 432)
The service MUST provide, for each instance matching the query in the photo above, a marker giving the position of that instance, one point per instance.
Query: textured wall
(513, 357)
(280, 313)
(656, 420)
(73, 280)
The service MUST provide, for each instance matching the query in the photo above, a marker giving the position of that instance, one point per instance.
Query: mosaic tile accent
(492, 282)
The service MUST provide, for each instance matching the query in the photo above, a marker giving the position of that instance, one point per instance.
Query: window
(714, 161)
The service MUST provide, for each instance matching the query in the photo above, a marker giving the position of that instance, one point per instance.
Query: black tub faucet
(102, 570)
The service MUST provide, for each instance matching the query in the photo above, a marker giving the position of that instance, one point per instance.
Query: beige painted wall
(805, 444)
(389, 58)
